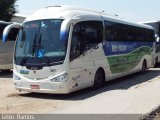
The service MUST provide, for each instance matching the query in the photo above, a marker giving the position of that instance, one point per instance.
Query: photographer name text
(17, 117)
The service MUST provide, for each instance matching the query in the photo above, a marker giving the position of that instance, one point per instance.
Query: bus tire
(144, 65)
(156, 62)
(99, 80)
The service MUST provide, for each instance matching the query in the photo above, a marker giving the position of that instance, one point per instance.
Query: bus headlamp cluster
(61, 78)
(15, 77)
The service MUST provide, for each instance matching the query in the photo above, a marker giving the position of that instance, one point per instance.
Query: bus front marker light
(15, 77)
(60, 78)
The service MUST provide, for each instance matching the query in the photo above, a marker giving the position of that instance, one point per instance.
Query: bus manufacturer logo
(34, 72)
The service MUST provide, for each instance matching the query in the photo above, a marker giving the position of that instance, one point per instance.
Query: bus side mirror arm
(64, 30)
(7, 30)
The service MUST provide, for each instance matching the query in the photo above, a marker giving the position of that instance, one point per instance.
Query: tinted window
(39, 43)
(122, 32)
(86, 35)
(12, 34)
(159, 30)
(2, 26)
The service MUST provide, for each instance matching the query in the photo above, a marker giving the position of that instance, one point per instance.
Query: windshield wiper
(56, 63)
(48, 61)
(34, 45)
(40, 49)
(24, 59)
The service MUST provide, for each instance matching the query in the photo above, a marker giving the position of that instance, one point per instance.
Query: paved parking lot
(134, 94)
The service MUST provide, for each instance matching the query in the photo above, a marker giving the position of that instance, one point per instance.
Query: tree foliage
(7, 9)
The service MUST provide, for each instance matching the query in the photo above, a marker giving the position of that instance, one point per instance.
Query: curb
(154, 113)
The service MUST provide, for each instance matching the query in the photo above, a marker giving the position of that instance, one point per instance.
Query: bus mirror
(64, 30)
(7, 30)
(157, 39)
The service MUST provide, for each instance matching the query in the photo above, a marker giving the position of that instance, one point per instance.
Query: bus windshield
(39, 43)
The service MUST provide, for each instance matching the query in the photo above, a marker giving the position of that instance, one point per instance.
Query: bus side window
(75, 50)
(93, 34)
(86, 35)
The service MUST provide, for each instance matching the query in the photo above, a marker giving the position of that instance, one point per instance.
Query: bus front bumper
(42, 87)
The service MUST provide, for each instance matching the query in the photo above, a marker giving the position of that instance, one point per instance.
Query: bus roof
(74, 12)
(153, 21)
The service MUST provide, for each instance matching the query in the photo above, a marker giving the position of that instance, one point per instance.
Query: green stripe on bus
(127, 62)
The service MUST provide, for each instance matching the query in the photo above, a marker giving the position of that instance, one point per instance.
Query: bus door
(92, 36)
(76, 57)
(85, 39)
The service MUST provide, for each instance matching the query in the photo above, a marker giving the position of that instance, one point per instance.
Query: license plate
(35, 87)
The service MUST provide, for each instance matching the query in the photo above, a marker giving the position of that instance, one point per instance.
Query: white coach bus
(156, 26)
(61, 49)
(6, 50)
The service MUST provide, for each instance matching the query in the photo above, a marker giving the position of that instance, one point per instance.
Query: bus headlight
(15, 77)
(60, 78)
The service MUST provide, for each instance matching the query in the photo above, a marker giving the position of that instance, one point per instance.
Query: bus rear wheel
(99, 80)
(144, 66)
(156, 62)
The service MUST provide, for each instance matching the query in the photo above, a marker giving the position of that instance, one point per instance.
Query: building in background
(18, 18)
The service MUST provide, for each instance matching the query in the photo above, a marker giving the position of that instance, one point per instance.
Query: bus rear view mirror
(7, 30)
(64, 30)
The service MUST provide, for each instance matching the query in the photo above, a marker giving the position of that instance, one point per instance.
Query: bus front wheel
(99, 80)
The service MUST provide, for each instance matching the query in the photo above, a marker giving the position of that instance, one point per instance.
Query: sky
(133, 10)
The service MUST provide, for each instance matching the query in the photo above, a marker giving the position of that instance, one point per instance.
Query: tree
(7, 9)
